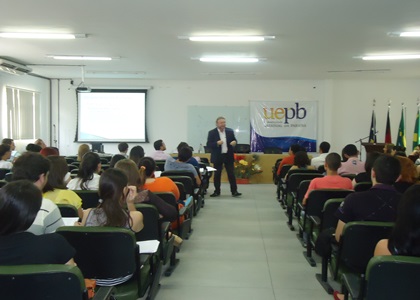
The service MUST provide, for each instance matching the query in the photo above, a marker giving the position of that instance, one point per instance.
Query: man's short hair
(350, 150)
(333, 161)
(7, 141)
(182, 145)
(122, 147)
(220, 118)
(295, 148)
(33, 148)
(158, 144)
(325, 147)
(184, 154)
(387, 169)
(30, 165)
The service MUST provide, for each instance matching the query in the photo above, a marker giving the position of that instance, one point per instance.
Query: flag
(388, 139)
(401, 132)
(416, 138)
(372, 134)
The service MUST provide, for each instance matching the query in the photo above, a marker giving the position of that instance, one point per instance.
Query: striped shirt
(48, 218)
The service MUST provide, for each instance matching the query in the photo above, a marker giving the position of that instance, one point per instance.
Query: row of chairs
(349, 262)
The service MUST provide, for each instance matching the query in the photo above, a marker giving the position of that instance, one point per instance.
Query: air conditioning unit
(13, 68)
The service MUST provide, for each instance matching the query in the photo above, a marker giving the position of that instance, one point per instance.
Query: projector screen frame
(114, 90)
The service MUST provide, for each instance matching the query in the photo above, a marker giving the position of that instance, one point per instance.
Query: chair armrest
(352, 284)
(183, 210)
(164, 227)
(315, 220)
(294, 195)
(145, 258)
(300, 205)
(104, 293)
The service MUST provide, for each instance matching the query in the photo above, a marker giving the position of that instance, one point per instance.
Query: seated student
(114, 193)
(398, 150)
(40, 143)
(184, 154)
(161, 184)
(159, 153)
(301, 162)
(4, 156)
(83, 149)
(123, 148)
(14, 154)
(33, 148)
(136, 153)
(193, 161)
(116, 158)
(324, 148)
(56, 189)
(351, 164)
(34, 167)
(20, 202)
(49, 151)
(377, 204)
(332, 180)
(87, 176)
(366, 176)
(388, 148)
(288, 160)
(137, 178)
(408, 174)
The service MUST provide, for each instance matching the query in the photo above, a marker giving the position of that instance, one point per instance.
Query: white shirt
(222, 136)
(319, 161)
(93, 184)
(5, 164)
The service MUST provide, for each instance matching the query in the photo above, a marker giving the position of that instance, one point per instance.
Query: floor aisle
(242, 249)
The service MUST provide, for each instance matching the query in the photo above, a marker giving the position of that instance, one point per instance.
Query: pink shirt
(328, 182)
(352, 166)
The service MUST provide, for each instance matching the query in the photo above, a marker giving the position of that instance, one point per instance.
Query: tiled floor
(242, 249)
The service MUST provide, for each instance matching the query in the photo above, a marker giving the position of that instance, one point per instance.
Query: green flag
(416, 137)
(401, 132)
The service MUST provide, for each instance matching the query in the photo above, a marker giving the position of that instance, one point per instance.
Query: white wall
(31, 83)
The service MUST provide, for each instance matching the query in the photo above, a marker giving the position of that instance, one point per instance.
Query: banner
(282, 124)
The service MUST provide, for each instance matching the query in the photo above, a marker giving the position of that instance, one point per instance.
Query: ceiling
(315, 39)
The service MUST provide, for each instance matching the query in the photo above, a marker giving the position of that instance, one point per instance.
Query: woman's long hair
(58, 169)
(405, 237)
(87, 168)
(111, 192)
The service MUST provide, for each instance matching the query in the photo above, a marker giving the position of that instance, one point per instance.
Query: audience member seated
(88, 174)
(377, 204)
(161, 184)
(5, 154)
(83, 149)
(56, 189)
(289, 160)
(136, 154)
(301, 162)
(116, 158)
(192, 160)
(351, 164)
(159, 153)
(33, 148)
(137, 178)
(35, 167)
(123, 148)
(318, 161)
(20, 203)
(399, 150)
(332, 180)
(366, 176)
(40, 143)
(388, 148)
(49, 151)
(408, 174)
(14, 154)
(115, 194)
(181, 164)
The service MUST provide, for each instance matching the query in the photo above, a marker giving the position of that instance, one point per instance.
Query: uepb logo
(286, 113)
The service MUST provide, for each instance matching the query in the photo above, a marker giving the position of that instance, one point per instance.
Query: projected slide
(112, 116)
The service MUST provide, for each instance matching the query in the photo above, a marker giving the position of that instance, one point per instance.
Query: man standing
(221, 141)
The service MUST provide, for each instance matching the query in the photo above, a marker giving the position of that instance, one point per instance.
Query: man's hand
(219, 142)
(233, 143)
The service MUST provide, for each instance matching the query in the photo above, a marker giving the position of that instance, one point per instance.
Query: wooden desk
(266, 162)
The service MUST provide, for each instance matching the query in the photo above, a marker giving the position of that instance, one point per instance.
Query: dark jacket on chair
(216, 150)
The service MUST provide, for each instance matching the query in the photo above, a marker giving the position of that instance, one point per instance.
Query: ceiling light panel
(80, 57)
(226, 38)
(230, 59)
(36, 35)
(391, 57)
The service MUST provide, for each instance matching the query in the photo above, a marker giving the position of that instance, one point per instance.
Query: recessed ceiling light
(36, 35)
(80, 57)
(230, 59)
(410, 34)
(391, 57)
(227, 38)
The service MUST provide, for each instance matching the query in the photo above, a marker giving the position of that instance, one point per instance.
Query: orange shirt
(162, 184)
(288, 160)
(328, 182)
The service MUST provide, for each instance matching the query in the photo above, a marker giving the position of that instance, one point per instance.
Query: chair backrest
(283, 171)
(362, 186)
(242, 148)
(151, 223)
(317, 198)
(68, 211)
(187, 178)
(105, 167)
(168, 198)
(2, 183)
(69, 159)
(294, 180)
(89, 198)
(160, 164)
(3, 173)
(72, 167)
(349, 176)
(103, 252)
(302, 189)
(392, 277)
(329, 220)
(42, 282)
(205, 160)
(181, 188)
(272, 150)
(104, 161)
(76, 163)
(8, 177)
(358, 242)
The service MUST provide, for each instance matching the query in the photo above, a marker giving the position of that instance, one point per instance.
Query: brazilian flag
(416, 137)
(401, 141)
